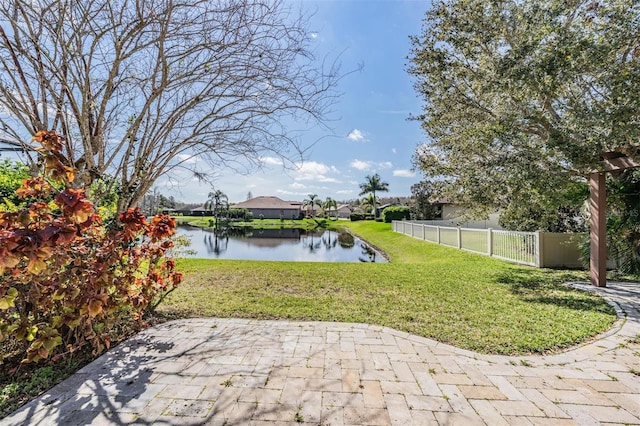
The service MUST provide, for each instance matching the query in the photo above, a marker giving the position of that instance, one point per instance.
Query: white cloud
(368, 165)
(285, 192)
(297, 185)
(317, 172)
(187, 158)
(360, 165)
(394, 150)
(356, 135)
(404, 173)
(327, 179)
(314, 35)
(345, 191)
(315, 168)
(271, 161)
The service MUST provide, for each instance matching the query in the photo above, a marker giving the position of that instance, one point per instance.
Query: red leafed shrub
(66, 280)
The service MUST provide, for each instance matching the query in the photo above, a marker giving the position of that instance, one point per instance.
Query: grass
(467, 300)
(456, 297)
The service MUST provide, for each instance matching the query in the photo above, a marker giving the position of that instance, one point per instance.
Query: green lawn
(467, 300)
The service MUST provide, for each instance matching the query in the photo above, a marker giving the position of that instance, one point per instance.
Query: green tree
(329, 204)
(522, 98)
(217, 202)
(166, 202)
(372, 184)
(422, 204)
(312, 201)
(369, 203)
(565, 212)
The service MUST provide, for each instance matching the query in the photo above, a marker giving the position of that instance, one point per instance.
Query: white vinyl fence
(541, 249)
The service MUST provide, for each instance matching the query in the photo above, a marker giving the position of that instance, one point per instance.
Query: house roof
(263, 202)
(442, 200)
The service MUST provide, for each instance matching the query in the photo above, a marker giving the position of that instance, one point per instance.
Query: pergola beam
(619, 164)
(613, 161)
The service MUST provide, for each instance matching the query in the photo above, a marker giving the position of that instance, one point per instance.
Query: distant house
(448, 209)
(271, 208)
(311, 210)
(344, 211)
(200, 211)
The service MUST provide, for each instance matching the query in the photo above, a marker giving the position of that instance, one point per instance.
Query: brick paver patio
(248, 372)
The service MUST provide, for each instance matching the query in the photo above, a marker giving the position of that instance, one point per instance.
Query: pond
(278, 244)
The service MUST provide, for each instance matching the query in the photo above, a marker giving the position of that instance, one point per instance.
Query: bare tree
(143, 87)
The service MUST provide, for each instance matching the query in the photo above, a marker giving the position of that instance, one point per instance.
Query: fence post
(539, 249)
(490, 242)
(459, 235)
(423, 237)
(438, 234)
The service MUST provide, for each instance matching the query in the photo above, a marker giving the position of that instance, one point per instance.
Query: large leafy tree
(422, 203)
(143, 88)
(371, 185)
(522, 98)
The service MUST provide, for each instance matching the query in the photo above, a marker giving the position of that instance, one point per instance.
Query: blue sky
(371, 132)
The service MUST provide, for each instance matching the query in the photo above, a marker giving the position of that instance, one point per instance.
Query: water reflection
(216, 243)
(278, 244)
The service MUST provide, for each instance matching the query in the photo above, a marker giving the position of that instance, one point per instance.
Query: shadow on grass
(547, 287)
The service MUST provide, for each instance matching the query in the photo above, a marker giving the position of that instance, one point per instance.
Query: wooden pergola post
(598, 210)
(613, 162)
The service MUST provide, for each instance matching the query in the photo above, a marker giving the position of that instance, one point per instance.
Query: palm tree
(373, 184)
(368, 202)
(328, 204)
(217, 201)
(312, 201)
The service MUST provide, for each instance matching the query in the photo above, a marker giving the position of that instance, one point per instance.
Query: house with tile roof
(271, 208)
(344, 211)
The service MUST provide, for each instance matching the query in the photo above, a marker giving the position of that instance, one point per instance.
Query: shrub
(66, 278)
(355, 216)
(241, 214)
(11, 176)
(395, 213)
